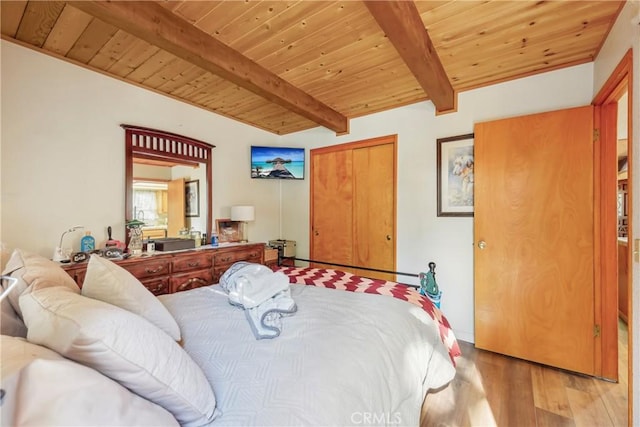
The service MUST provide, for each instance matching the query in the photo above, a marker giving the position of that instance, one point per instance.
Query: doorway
(608, 102)
(622, 207)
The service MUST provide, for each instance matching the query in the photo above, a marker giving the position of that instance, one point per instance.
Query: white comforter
(343, 359)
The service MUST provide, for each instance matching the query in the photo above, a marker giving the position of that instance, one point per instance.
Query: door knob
(482, 244)
(315, 233)
(388, 237)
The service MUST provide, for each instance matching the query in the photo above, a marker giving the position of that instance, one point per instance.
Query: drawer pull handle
(156, 289)
(152, 271)
(227, 259)
(193, 264)
(188, 283)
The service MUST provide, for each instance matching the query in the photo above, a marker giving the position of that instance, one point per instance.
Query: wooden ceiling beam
(160, 27)
(401, 22)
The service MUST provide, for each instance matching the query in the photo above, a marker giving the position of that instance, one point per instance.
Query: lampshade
(242, 213)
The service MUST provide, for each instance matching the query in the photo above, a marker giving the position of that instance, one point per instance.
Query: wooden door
(332, 207)
(353, 205)
(374, 209)
(176, 208)
(534, 235)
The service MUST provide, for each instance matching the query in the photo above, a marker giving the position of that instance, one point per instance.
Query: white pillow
(34, 271)
(122, 346)
(43, 388)
(108, 282)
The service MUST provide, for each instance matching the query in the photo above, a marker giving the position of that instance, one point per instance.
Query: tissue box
(174, 244)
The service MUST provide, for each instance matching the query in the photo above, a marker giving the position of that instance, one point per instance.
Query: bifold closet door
(374, 209)
(353, 198)
(332, 207)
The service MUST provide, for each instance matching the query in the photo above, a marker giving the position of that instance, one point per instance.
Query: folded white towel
(263, 294)
(252, 288)
(266, 319)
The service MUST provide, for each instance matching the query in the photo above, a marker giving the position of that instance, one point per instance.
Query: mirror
(160, 200)
(168, 182)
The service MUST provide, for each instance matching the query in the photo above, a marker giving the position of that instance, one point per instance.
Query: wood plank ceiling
(286, 66)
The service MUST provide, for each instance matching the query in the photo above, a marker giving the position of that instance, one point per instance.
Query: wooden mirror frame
(159, 145)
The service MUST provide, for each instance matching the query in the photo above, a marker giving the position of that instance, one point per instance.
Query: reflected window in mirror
(150, 202)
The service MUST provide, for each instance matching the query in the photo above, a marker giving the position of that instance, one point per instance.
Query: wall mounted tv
(277, 162)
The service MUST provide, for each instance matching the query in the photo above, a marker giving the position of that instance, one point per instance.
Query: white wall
(625, 35)
(421, 235)
(623, 117)
(151, 172)
(63, 152)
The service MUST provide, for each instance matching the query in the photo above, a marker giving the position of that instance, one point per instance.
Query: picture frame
(228, 231)
(455, 178)
(192, 198)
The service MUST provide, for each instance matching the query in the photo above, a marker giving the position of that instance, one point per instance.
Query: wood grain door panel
(534, 209)
(374, 209)
(176, 212)
(332, 207)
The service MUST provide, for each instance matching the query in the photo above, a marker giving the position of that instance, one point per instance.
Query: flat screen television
(277, 162)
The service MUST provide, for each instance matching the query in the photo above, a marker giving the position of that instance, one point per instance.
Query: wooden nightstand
(270, 256)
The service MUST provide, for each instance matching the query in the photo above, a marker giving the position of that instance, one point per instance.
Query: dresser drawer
(158, 286)
(226, 258)
(218, 272)
(77, 274)
(148, 268)
(270, 257)
(191, 262)
(194, 279)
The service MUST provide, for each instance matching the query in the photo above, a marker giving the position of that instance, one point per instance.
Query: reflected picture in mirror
(192, 198)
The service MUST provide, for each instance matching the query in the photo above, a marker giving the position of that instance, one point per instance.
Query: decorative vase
(429, 286)
(135, 237)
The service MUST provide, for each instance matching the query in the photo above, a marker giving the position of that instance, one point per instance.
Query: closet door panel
(374, 209)
(332, 207)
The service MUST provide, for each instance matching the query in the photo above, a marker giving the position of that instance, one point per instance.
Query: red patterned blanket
(336, 279)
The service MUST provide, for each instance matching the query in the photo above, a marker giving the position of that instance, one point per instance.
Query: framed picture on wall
(192, 198)
(455, 175)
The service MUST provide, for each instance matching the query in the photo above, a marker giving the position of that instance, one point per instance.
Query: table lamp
(243, 214)
(60, 254)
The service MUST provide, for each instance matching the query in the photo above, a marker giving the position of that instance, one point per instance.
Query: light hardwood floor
(494, 390)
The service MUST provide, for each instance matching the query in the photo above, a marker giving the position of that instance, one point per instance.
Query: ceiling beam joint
(401, 22)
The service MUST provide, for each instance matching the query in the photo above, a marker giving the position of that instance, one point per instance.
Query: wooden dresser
(169, 272)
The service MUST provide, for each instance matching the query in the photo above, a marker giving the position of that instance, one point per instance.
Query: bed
(354, 352)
